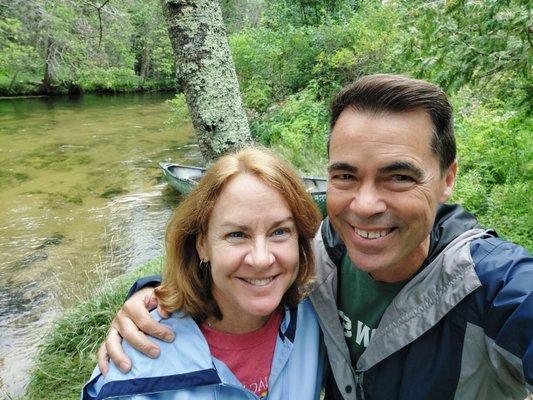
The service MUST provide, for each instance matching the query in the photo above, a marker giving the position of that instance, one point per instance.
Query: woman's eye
(281, 232)
(236, 235)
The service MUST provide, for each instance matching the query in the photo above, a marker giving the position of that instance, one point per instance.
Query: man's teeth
(259, 282)
(372, 234)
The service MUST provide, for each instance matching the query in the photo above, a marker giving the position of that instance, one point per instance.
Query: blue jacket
(461, 328)
(187, 370)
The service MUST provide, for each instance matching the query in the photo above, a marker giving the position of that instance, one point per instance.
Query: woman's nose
(260, 256)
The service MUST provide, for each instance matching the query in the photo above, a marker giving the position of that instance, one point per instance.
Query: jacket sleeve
(147, 281)
(506, 272)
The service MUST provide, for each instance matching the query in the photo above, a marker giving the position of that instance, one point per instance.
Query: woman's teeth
(259, 282)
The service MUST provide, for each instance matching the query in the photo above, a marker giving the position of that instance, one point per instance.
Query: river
(81, 200)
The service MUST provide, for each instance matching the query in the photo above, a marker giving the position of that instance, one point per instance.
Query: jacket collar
(425, 299)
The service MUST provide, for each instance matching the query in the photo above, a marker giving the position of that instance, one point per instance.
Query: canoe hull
(183, 178)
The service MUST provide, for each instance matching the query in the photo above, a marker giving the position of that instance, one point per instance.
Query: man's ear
(449, 181)
(201, 247)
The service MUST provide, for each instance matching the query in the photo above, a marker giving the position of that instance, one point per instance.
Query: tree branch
(99, 11)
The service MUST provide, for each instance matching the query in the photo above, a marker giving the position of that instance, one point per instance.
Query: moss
(9, 177)
(61, 200)
(207, 74)
(112, 192)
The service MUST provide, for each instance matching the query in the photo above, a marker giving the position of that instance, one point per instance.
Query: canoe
(182, 178)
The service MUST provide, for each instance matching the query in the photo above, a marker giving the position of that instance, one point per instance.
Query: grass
(68, 355)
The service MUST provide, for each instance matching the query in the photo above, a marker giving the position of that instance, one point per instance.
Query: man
(415, 300)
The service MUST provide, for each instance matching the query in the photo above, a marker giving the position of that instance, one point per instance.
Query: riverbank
(67, 356)
(26, 91)
(80, 192)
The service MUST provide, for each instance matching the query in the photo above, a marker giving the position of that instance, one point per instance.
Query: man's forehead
(367, 133)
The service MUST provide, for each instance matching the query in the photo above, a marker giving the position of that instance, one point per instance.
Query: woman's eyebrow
(242, 227)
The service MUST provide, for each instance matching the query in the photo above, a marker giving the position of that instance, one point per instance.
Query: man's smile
(372, 234)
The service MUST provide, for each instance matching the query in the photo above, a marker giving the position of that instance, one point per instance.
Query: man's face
(384, 187)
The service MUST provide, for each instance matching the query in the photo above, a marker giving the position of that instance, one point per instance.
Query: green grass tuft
(67, 356)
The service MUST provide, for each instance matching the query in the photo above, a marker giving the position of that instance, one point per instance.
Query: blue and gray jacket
(186, 369)
(462, 328)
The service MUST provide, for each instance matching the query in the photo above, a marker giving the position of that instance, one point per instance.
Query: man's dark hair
(394, 93)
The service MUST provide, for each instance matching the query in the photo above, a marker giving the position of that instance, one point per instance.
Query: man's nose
(367, 201)
(260, 256)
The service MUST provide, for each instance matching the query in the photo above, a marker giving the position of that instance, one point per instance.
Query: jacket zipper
(359, 392)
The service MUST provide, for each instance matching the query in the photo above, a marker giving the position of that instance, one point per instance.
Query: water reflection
(81, 199)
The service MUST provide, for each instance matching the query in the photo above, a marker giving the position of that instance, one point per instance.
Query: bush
(298, 130)
(495, 152)
(510, 212)
(109, 79)
(179, 111)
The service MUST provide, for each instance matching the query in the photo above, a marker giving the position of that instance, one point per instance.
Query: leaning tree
(206, 74)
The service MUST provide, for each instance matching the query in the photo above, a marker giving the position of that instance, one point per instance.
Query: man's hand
(130, 322)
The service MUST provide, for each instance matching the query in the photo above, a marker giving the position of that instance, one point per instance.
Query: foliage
(57, 45)
(472, 41)
(290, 58)
(67, 356)
(495, 150)
(298, 130)
(14, 52)
(307, 12)
(480, 52)
(180, 111)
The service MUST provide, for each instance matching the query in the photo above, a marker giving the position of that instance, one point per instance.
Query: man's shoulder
(495, 250)
(498, 260)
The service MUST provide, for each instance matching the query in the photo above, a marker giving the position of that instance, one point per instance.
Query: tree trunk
(206, 73)
(46, 85)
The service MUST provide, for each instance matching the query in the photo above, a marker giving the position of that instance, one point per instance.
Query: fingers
(164, 313)
(129, 324)
(136, 338)
(103, 359)
(113, 349)
(150, 300)
(153, 302)
(138, 314)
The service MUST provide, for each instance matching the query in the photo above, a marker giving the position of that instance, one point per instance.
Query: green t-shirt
(361, 304)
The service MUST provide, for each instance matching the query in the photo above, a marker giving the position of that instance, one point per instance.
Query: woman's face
(252, 244)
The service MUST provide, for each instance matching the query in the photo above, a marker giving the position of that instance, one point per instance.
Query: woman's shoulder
(188, 351)
(187, 356)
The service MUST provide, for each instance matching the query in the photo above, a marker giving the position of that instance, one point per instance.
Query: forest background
(290, 58)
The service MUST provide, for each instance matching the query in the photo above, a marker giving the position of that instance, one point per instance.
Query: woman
(239, 261)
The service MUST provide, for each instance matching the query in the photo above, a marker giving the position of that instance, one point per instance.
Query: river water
(81, 200)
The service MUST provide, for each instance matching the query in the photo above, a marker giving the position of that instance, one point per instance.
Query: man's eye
(402, 178)
(343, 177)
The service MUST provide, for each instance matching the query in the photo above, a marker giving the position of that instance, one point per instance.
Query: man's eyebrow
(342, 166)
(403, 166)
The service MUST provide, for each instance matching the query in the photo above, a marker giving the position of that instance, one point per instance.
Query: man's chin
(368, 262)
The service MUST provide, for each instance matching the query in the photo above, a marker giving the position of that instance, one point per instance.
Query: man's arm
(506, 271)
(131, 323)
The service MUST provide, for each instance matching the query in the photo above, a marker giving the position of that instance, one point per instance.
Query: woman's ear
(201, 247)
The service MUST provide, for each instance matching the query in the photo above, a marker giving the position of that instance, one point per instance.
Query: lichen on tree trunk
(206, 74)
